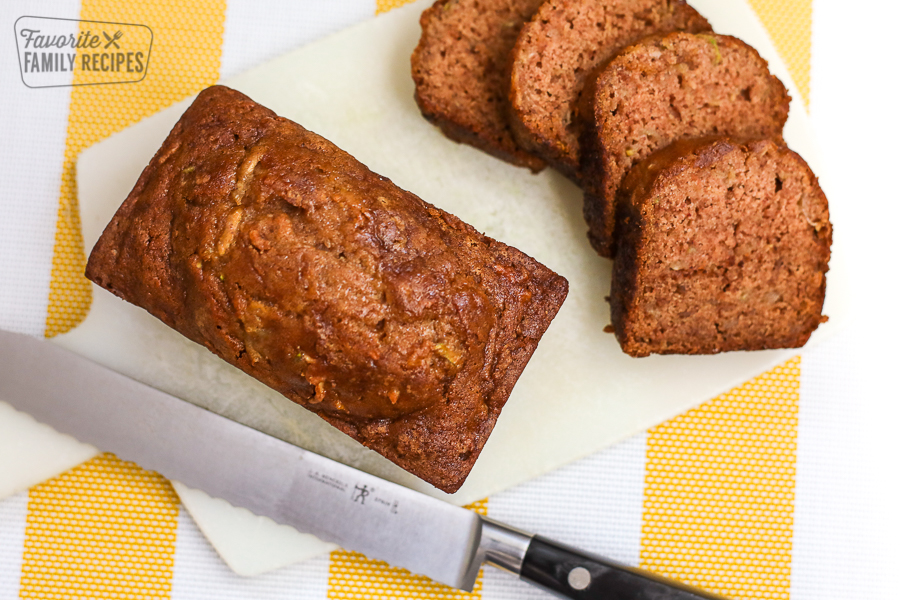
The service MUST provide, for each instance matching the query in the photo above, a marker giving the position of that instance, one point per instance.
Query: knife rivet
(579, 578)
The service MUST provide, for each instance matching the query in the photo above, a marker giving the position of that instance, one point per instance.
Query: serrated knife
(311, 493)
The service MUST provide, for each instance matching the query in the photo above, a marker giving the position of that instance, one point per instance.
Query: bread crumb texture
(723, 246)
(461, 73)
(557, 52)
(664, 89)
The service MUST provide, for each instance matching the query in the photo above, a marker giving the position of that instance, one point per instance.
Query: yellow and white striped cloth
(725, 496)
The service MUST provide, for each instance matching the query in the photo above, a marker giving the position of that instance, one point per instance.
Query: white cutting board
(579, 394)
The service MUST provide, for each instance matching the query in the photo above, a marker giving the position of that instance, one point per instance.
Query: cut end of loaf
(459, 69)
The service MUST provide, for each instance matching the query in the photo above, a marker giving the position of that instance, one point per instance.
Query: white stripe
(838, 542)
(201, 574)
(845, 518)
(33, 132)
(594, 504)
(12, 540)
(253, 35)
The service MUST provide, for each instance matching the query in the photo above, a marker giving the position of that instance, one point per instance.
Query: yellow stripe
(719, 490)
(187, 44)
(382, 6)
(790, 26)
(105, 529)
(351, 575)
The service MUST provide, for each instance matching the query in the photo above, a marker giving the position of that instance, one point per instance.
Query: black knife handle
(571, 573)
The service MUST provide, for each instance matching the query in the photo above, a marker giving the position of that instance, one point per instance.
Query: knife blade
(296, 487)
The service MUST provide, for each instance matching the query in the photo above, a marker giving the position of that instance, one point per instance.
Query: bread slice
(461, 73)
(663, 89)
(557, 50)
(394, 321)
(722, 246)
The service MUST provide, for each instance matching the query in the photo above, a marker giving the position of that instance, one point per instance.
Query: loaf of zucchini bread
(391, 319)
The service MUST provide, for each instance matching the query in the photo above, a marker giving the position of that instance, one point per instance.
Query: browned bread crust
(461, 75)
(558, 49)
(722, 246)
(391, 319)
(663, 89)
